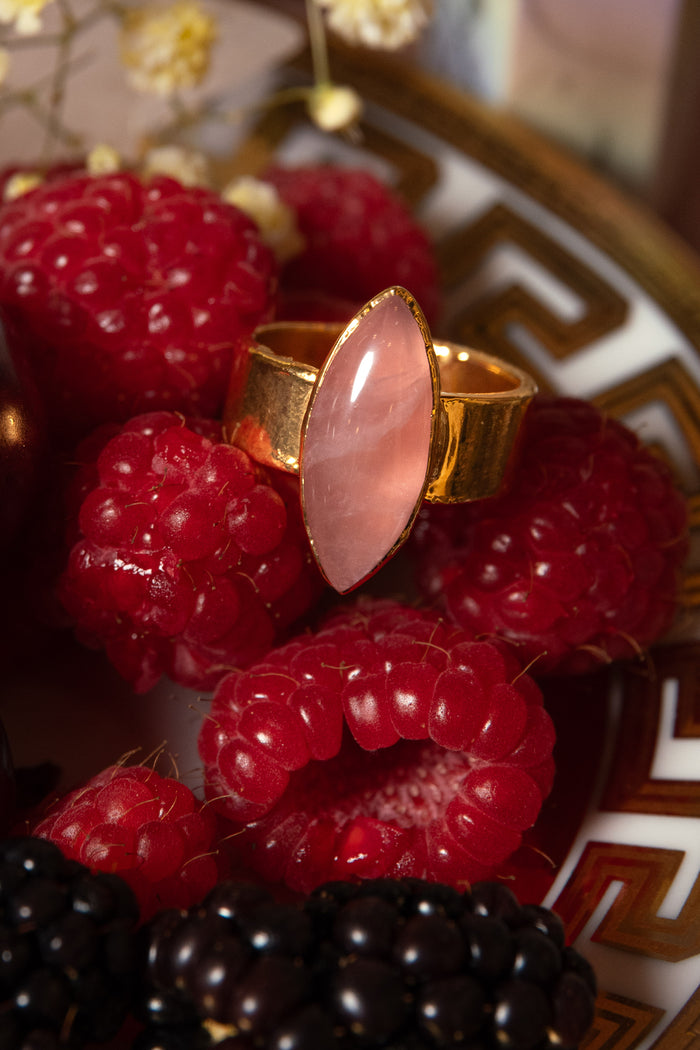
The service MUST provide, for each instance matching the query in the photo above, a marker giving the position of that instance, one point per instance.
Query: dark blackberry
(397, 964)
(67, 949)
(237, 960)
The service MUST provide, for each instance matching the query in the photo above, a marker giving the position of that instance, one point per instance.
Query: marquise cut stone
(366, 444)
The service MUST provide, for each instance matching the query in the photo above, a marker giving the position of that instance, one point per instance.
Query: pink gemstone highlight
(366, 446)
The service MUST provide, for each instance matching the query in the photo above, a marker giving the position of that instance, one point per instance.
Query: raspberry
(360, 238)
(386, 744)
(189, 562)
(150, 830)
(579, 561)
(68, 949)
(400, 963)
(128, 295)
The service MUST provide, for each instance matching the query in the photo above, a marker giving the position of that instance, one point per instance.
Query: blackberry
(67, 949)
(401, 964)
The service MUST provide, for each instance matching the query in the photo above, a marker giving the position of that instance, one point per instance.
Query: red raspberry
(388, 743)
(128, 295)
(578, 562)
(360, 238)
(150, 830)
(190, 562)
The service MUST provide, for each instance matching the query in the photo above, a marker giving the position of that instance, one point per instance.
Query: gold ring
(374, 417)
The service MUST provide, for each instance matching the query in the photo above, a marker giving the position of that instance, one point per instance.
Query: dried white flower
(23, 15)
(168, 48)
(103, 160)
(186, 165)
(20, 183)
(388, 24)
(275, 219)
(333, 107)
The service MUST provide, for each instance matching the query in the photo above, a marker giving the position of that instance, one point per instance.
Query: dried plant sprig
(385, 24)
(276, 220)
(166, 49)
(23, 15)
(190, 167)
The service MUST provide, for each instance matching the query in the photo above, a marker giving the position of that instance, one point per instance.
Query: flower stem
(319, 45)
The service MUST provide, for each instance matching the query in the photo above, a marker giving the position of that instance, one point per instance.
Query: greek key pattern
(631, 787)
(684, 1031)
(486, 321)
(632, 922)
(620, 1023)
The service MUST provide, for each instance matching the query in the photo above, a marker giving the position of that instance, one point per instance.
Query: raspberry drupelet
(149, 829)
(190, 560)
(386, 744)
(579, 561)
(127, 295)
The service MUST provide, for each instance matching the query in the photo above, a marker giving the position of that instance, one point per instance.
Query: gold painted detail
(632, 922)
(631, 787)
(485, 322)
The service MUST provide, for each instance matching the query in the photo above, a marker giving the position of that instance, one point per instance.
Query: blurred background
(616, 81)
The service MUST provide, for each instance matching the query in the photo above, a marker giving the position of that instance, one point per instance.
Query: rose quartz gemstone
(366, 446)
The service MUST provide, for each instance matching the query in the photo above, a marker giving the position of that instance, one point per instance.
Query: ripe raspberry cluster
(149, 829)
(387, 743)
(388, 963)
(189, 561)
(579, 561)
(124, 296)
(360, 237)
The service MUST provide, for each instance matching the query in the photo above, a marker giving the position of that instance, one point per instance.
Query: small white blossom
(187, 166)
(334, 108)
(23, 15)
(20, 183)
(388, 24)
(168, 48)
(103, 160)
(275, 219)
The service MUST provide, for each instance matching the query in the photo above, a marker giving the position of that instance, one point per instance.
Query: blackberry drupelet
(67, 949)
(384, 963)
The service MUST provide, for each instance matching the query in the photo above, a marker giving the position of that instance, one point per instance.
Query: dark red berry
(188, 560)
(388, 743)
(360, 237)
(150, 829)
(579, 561)
(126, 296)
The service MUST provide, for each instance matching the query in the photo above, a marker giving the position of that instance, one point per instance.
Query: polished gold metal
(481, 404)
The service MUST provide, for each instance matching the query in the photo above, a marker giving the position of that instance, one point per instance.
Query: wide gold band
(480, 408)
